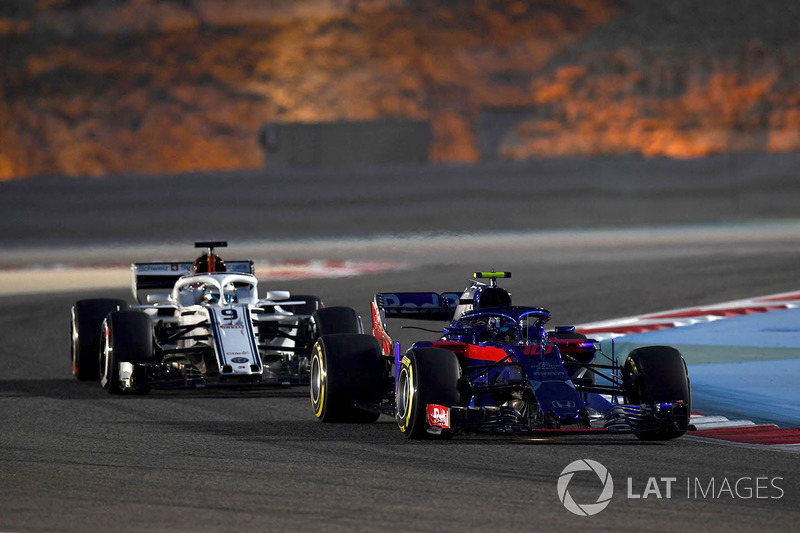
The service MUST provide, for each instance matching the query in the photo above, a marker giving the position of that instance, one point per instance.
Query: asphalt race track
(76, 459)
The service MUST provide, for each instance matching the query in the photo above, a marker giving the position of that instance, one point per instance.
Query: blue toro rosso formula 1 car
(495, 369)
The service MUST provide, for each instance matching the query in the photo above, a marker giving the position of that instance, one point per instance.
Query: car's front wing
(506, 420)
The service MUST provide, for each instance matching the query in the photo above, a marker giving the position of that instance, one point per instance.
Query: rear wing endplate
(412, 306)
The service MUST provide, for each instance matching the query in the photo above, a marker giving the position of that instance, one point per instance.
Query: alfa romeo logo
(585, 509)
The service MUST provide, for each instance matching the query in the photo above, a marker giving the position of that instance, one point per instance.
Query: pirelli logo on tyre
(318, 380)
(404, 397)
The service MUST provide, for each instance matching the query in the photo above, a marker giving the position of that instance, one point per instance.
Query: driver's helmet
(533, 331)
(211, 294)
(229, 293)
(208, 263)
(500, 330)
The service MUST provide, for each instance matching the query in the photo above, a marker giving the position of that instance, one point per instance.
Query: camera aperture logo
(585, 509)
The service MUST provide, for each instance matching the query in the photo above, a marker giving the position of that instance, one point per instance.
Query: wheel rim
(74, 347)
(403, 394)
(317, 385)
(104, 357)
(316, 380)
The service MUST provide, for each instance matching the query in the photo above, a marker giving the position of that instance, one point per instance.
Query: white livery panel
(232, 331)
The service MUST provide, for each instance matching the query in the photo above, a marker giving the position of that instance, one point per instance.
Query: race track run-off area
(742, 360)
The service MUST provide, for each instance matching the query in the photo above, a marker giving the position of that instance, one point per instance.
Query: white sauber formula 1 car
(211, 328)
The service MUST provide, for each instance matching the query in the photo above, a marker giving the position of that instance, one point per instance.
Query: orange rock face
(146, 86)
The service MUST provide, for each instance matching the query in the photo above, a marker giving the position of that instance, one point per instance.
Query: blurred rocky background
(94, 87)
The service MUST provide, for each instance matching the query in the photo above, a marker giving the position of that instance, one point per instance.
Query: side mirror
(158, 298)
(277, 295)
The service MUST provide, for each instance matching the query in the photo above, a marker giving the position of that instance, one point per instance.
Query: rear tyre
(127, 338)
(657, 374)
(85, 333)
(346, 370)
(426, 376)
(332, 320)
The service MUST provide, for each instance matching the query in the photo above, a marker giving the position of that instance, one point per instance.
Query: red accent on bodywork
(379, 332)
(537, 350)
(485, 353)
(454, 346)
(575, 346)
(567, 431)
(438, 416)
(470, 351)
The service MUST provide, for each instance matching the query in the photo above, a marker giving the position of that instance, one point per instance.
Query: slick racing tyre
(85, 330)
(127, 338)
(330, 320)
(426, 376)
(653, 375)
(346, 371)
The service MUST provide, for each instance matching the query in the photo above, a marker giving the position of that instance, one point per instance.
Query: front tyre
(657, 375)
(426, 376)
(127, 338)
(346, 371)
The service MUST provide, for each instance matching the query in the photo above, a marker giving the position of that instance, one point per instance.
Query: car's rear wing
(160, 276)
(418, 305)
(412, 306)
